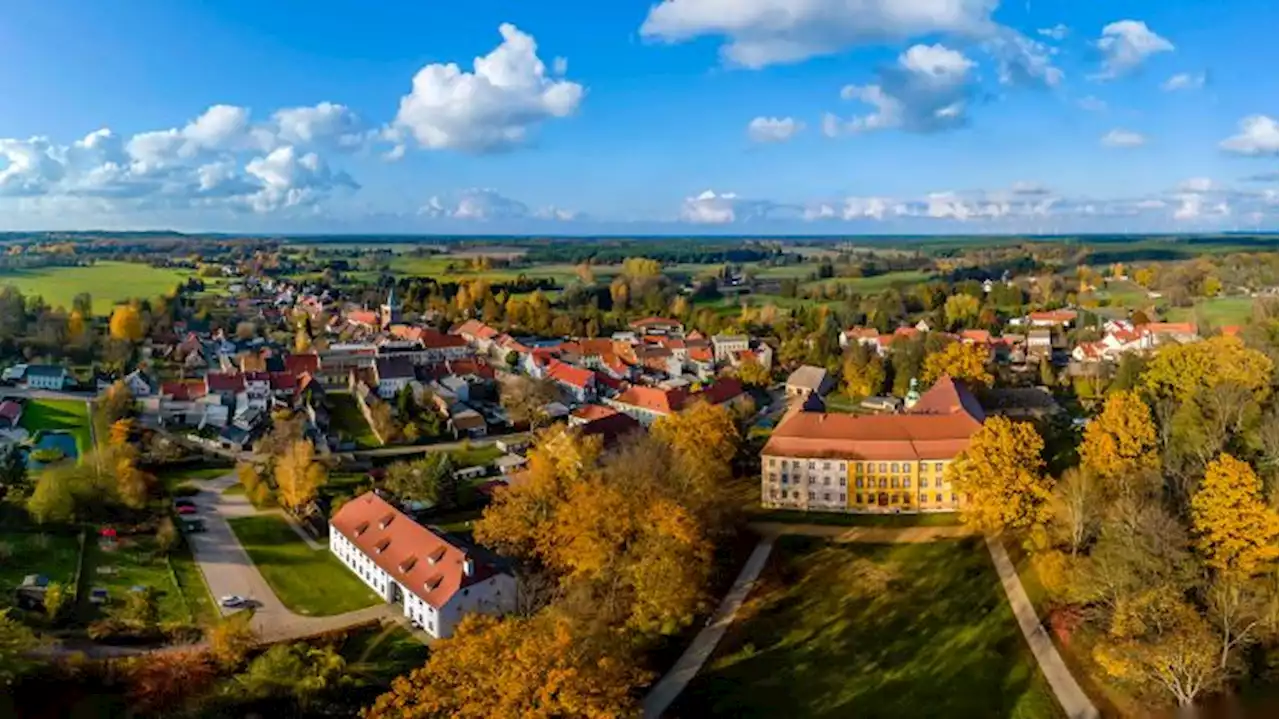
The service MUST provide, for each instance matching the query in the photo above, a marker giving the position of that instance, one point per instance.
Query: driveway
(229, 571)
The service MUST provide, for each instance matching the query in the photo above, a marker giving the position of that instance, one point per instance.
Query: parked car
(183, 502)
(187, 509)
(232, 601)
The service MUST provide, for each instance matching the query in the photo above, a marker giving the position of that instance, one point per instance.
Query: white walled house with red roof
(435, 581)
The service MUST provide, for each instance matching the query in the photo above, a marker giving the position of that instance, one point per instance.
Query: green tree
(961, 310)
(296, 670)
(16, 644)
(421, 480)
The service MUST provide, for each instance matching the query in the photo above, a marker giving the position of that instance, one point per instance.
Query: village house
(434, 580)
(392, 374)
(871, 463)
(726, 346)
(657, 327)
(808, 380)
(648, 404)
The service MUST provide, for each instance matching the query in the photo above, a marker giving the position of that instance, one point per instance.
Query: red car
(186, 509)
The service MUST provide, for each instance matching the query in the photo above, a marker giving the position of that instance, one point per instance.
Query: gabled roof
(184, 391)
(654, 322)
(610, 428)
(224, 382)
(591, 412)
(394, 368)
(364, 317)
(565, 373)
(420, 560)
(808, 377)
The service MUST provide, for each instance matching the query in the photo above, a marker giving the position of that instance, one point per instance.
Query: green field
(309, 581)
(109, 283)
(346, 420)
(880, 631)
(1215, 312)
(875, 283)
(69, 415)
(21, 553)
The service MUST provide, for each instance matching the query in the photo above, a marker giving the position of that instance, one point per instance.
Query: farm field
(1216, 311)
(881, 631)
(310, 582)
(874, 283)
(109, 283)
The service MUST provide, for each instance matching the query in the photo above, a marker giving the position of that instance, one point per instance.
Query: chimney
(468, 566)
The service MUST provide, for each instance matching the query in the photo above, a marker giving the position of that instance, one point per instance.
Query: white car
(232, 601)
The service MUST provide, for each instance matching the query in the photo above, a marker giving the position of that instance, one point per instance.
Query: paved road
(1074, 701)
(228, 570)
(690, 663)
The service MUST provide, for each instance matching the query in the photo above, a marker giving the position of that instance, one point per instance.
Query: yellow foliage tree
(754, 374)
(126, 323)
(960, 361)
(641, 267)
(121, 431)
(1235, 529)
(1121, 440)
(1002, 474)
(680, 306)
(863, 380)
(75, 325)
(1145, 276)
(1180, 371)
(961, 309)
(298, 475)
(541, 667)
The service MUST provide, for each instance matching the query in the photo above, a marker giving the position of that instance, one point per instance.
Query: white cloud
(1123, 138)
(289, 179)
(1258, 136)
(1194, 206)
(485, 205)
(773, 129)
(1023, 62)
(1184, 81)
(1125, 45)
(1091, 103)
(325, 122)
(712, 208)
(494, 107)
(928, 90)
(1057, 32)
(764, 32)
(1196, 184)
(28, 167)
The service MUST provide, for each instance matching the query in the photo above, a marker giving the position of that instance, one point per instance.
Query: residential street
(229, 571)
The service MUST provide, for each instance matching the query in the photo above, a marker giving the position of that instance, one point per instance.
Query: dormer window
(407, 565)
(431, 584)
(436, 556)
(386, 521)
(362, 528)
(382, 546)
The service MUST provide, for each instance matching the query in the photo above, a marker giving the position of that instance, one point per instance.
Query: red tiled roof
(701, 354)
(474, 328)
(591, 412)
(655, 322)
(941, 431)
(184, 391)
(1188, 328)
(435, 339)
(421, 560)
(566, 373)
(611, 382)
(1231, 330)
(364, 317)
(663, 401)
(296, 364)
(1053, 316)
(981, 337)
(224, 381)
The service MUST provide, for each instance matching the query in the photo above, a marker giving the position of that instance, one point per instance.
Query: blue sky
(717, 116)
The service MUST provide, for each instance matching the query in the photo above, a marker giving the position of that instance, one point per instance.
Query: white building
(726, 346)
(434, 581)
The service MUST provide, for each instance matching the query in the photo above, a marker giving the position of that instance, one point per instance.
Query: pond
(64, 442)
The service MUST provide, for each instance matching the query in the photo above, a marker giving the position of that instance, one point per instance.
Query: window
(938, 483)
(811, 496)
(953, 498)
(826, 496)
(923, 498)
(893, 467)
(842, 481)
(842, 499)
(773, 494)
(826, 465)
(938, 497)
(773, 462)
(858, 482)
(812, 464)
(906, 483)
(826, 481)
(883, 483)
(937, 467)
(795, 463)
(795, 495)
(842, 467)
(857, 498)
(857, 467)
(883, 466)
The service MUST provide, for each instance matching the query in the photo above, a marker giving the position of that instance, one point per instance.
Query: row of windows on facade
(859, 466)
(858, 498)
(891, 483)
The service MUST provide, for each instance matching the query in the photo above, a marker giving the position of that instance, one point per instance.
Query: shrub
(48, 455)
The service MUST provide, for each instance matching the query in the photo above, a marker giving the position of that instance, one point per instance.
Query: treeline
(666, 251)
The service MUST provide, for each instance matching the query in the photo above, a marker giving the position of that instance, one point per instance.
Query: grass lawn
(474, 456)
(1216, 311)
(310, 582)
(68, 415)
(194, 589)
(383, 654)
(172, 477)
(109, 283)
(875, 283)
(909, 630)
(134, 563)
(21, 553)
(789, 516)
(346, 421)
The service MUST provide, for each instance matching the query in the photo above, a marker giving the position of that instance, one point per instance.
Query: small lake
(53, 439)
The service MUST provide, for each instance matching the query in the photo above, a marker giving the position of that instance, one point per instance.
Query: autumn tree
(754, 374)
(1156, 639)
(421, 480)
(961, 310)
(1002, 473)
(299, 475)
(960, 361)
(1075, 506)
(1121, 440)
(161, 684)
(1180, 371)
(1235, 530)
(76, 326)
(231, 638)
(704, 440)
(525, 399)
(16, 643)
(299, 671)
(641, 268)
(863, 374)
(540, 667)
(126, 323)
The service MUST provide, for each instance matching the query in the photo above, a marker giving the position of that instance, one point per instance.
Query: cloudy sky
(717, 116)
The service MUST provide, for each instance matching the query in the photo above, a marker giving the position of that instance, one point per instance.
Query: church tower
(390, 309)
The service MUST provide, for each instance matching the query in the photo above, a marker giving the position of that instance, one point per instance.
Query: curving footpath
(690, 663)
(1074, 701)
(228, 570)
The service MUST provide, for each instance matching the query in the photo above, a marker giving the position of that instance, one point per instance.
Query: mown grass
(108, 283)
(308, 581)
(880, 631)
(22, 553)
(62, 415)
